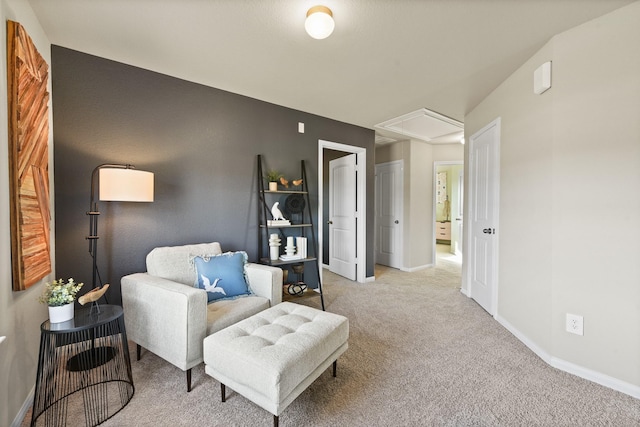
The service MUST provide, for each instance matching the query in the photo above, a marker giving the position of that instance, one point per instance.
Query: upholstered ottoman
(273, 356)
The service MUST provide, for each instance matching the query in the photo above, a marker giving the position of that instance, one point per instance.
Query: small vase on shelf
(61, 313)
(274, 247)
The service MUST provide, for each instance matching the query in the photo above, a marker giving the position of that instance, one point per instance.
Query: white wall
(569, 200)
(416, 249)
(419, 158)
(20, 313)
(419, 214)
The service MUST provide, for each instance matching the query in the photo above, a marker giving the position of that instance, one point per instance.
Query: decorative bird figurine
(212, 288)
(93, 295)
(297, 182)
(284, 182)
(275, 211)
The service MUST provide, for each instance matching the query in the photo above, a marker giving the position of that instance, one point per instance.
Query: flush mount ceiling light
(319, 23)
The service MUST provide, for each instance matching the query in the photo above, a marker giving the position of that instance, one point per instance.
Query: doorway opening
(361, 199)
(448, 196)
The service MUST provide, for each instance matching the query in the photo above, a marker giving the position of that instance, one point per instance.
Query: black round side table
(84, 369)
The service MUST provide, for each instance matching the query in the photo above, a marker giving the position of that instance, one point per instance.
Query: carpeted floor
(420, 354)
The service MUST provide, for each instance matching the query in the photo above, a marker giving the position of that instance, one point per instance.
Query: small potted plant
(59, 296)
(272, 177)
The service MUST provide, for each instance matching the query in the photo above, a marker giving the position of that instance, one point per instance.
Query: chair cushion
(222, 276)
(227, 312)
(174, 262)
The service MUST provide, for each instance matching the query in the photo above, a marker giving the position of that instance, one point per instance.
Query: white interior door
(389, 201)
(484, 174)
(342, 216)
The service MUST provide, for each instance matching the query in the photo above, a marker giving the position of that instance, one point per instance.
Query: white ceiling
(386, 58)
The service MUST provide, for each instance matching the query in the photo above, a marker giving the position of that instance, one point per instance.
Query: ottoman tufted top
(274, 350)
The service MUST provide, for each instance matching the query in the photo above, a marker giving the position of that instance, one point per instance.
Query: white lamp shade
(319, 23)
(126, 185)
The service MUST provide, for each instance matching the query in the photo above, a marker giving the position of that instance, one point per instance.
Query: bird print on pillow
(213, 288)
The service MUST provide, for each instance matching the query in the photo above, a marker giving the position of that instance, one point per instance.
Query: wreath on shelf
(294, 204)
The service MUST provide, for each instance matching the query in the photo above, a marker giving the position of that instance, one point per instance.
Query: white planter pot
(61, 313)
(273, 186)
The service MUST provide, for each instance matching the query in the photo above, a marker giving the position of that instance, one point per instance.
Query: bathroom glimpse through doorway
(448, 206)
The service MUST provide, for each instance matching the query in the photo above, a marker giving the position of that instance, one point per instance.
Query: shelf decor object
(272, 177)
(301, 246)
(28, 112)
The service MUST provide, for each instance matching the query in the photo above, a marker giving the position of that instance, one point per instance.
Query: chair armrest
(165, 317)
(265, 281)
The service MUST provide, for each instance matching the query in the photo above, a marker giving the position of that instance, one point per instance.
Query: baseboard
(571, 368)
(370, 279)
(17, 421)
(413, 269)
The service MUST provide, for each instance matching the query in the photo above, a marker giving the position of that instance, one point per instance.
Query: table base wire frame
(82, 374)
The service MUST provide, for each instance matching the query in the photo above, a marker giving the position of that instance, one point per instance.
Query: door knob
(329, 222)
(488, 231)
(396, 221)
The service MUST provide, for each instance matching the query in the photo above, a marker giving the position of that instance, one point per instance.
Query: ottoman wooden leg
(335, 368)
(275, 421)
(223, 392)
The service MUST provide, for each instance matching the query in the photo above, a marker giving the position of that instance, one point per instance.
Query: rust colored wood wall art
(28, 99)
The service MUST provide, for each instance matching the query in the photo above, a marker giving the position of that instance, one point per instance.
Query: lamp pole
(93, 219)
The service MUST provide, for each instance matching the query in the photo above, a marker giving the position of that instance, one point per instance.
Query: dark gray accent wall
(200, 142)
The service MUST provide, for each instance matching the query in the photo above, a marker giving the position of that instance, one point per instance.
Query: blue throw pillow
(222, 276)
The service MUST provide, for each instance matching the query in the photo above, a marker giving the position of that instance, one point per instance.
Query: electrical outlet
(575, 324)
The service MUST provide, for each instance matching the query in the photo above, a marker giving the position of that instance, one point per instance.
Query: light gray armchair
(167, 315)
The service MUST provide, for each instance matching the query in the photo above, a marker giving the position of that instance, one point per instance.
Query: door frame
(433, 203)
(401, 209)
(361, 203)
(468, 229)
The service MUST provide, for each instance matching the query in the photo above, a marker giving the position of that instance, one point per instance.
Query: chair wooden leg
(223, 392)
(138, 351)
(275, 421)
(335, 368)
(188, 380)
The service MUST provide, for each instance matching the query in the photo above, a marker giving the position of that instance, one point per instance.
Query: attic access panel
(423, 124)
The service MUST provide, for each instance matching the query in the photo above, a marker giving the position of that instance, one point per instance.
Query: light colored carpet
(420, 354)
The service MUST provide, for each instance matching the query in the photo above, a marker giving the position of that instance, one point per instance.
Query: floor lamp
(116, 183)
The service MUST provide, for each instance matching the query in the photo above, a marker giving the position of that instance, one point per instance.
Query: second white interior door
(389, 199)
